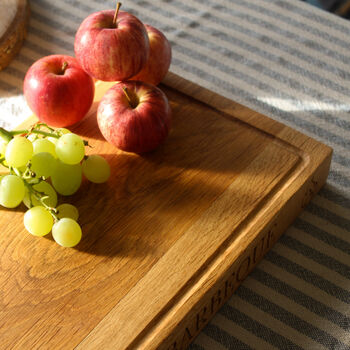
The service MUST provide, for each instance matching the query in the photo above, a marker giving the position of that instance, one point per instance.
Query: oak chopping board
(168, 238)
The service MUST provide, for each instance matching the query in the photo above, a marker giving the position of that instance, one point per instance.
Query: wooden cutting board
(168, 238)
(14, 16)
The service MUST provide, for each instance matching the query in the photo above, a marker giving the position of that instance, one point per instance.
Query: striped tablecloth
(284, 59)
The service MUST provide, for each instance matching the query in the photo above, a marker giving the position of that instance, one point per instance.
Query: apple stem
(132, 102)
(116, 14)
(64, 66)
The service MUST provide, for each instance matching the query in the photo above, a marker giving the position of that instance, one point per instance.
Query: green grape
(67, 178)
(38, 221)
(96, 169)
(67, 210)
(70, 149)
(44, 145)
(11, 191)
(46, 190)
(43, 164)
(53, 140)
(63, 131)
(32, 137)
(66, 232)
(18, 152)
(2, 176)
(60, 131)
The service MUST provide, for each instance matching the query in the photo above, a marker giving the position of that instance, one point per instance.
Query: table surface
(287, 60)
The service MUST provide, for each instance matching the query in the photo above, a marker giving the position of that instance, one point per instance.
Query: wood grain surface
(168, 238)
(14, 17)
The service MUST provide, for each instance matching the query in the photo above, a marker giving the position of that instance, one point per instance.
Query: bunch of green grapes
(41, 162)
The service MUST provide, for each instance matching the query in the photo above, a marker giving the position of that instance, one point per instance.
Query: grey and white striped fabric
(287, 60)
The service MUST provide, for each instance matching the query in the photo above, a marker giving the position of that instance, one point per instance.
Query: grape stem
(2, 160)
(28, 181)
(40, 196)
(5, 135)
(16, 171)
(38, 125)
(34, 131)
(27, 175)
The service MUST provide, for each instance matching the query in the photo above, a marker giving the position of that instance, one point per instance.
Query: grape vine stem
(34, 131)
(40, 196)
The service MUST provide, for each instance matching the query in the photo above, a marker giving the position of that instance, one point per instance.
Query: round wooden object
(14, 15)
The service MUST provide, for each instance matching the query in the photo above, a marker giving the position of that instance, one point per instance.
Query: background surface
(285, 59)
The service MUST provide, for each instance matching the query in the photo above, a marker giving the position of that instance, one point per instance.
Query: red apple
(134, 116)
(159, 58)
(58, 90)
(112, 50)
